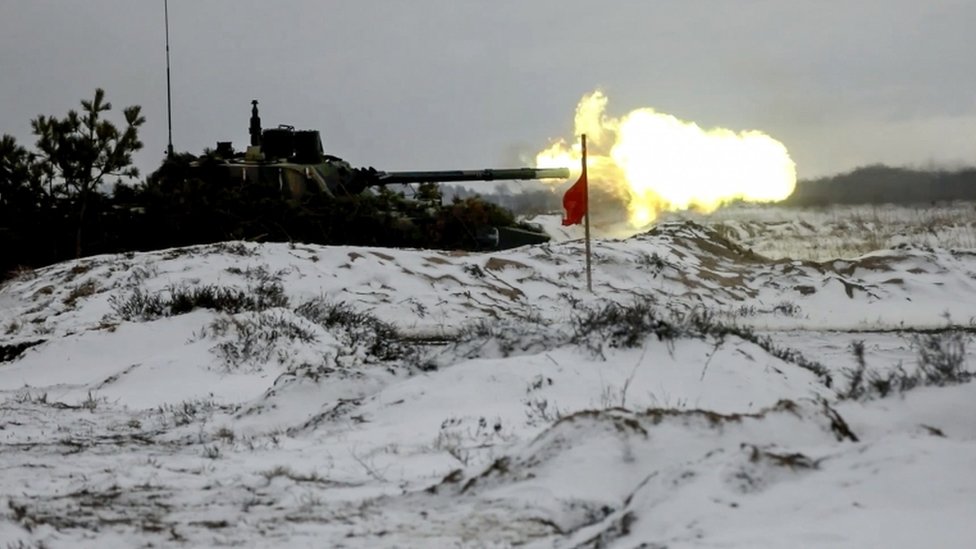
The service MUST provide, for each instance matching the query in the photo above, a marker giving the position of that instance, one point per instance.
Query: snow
(498, 412)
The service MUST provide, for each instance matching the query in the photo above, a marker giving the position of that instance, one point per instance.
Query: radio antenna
(169, 98)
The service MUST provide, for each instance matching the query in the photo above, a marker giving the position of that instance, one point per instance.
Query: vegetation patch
(611, 325)
(257, 337)
(941, 361)
(507, 337)
(189, 411)
(85, 289)
(628, 326)
(343, 337)
(362, 334)
(614, 325)
(13, 351)
(177, 300)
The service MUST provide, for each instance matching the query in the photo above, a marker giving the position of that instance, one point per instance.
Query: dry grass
(85, 289)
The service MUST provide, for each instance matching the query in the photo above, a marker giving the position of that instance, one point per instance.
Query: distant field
(841, 231)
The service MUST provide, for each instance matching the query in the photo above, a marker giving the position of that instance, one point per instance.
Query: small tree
(430, 192)
(15, 176)
(77, 153)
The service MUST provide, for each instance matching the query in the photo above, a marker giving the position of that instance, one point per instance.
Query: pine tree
(77, 153)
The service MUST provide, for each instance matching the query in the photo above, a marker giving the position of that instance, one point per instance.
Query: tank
(295, 162)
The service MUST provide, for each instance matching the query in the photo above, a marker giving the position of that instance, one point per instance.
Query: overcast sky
(428, 84)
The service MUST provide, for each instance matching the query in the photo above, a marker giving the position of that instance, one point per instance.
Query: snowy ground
(268, 395)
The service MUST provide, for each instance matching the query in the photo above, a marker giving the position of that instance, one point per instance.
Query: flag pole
(586, 219)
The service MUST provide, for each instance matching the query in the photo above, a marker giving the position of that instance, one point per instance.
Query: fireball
(656, 162)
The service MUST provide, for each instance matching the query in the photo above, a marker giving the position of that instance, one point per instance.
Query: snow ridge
(298, 395)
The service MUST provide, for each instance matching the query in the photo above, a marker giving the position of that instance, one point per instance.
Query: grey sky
(427, 84)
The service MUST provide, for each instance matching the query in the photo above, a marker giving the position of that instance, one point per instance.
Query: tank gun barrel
(451, 176)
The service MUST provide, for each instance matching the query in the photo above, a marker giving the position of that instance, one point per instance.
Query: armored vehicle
(296, 161)
(294, 164)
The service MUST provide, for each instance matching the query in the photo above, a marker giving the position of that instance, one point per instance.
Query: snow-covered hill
(297, 395)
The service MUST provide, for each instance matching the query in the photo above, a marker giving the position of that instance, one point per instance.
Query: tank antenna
(169, 99)
(255, 128)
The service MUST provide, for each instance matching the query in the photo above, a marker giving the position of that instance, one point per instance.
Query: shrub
(138, 305)
(942, 357)
(183, 299)
(85, 289)
(257, 337)
(941, 361)
(189, 411)
(619, 325)
(856, 376)
(235, 248)
(361, 333)
(507, 336)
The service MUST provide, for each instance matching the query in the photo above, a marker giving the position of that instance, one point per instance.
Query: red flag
(574, 202)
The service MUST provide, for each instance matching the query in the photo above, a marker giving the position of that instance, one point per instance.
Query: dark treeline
(175, 207)
(879, 184)
(73, 195)
(523, 202)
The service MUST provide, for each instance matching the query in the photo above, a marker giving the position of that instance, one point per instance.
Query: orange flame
(657, 162)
